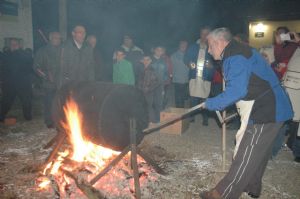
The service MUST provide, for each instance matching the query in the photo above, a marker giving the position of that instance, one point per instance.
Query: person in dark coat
(47, 66)
(16, 80)
(77, 60)
(148, 82)
(101, 71)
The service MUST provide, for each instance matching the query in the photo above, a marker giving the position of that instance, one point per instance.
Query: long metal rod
(224, 136)
(224, 143)
(172, 121)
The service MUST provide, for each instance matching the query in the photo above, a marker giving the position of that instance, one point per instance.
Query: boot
(212, 194)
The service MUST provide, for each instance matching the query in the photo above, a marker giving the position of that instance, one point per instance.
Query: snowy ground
(193, 161)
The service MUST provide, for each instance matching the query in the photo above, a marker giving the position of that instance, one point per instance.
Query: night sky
(157, 21)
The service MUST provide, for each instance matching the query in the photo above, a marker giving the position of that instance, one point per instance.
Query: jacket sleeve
(191, 55)
(237, 71)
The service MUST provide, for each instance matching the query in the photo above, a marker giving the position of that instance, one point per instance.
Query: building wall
(269, 28)
(18, 26)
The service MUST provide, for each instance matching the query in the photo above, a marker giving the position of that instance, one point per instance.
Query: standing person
(201, 71)
(291, 82)
(100, 72)
(263, 106)
(47, 66)
(168, 82)
(160, 67)
(122, 69)
(180, 74)
(148, 82)
(16, 80)
(283, 51)
(133, 53)
(77, 61)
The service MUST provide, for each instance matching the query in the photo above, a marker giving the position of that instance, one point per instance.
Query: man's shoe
(297, 159)
(212, 194)
(50, 126)
(252, 195)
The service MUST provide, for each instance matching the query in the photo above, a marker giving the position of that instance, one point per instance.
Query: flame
(82, 150)
(92, 157)
(44, 184)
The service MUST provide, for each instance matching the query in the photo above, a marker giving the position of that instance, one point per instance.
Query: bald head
(55, 38)
(79, 33)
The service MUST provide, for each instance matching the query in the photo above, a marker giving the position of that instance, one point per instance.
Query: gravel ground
(193, 162)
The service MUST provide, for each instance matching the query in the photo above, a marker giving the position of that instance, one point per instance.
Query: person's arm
(237, 73)
(39, 64)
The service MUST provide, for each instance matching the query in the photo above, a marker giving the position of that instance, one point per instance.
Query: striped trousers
(249, 164)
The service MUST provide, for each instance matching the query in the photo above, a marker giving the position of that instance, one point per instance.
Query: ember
(76, 166)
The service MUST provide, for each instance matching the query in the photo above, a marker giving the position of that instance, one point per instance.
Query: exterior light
(259, 30)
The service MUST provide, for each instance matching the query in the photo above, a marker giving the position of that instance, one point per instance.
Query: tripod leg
(134, 163)
(110, 165)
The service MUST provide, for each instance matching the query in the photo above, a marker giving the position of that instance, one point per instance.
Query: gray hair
(221, 33)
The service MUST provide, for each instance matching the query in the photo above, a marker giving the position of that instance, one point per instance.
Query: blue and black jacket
(191, 56)
(249, 77)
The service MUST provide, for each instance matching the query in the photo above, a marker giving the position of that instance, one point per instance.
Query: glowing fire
(93, 157)
(82, 150)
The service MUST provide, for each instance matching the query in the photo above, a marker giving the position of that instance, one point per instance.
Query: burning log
(85, 187)
(106, 110)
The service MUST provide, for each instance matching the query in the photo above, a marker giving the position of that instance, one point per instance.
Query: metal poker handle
(172, 121)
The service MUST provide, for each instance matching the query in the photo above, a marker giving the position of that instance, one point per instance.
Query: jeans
(181, 91)
(157, 103)
(205, 113)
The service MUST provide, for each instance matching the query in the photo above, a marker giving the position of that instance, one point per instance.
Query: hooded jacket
(249, 77)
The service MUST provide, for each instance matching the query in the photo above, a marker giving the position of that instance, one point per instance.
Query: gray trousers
(247, 169)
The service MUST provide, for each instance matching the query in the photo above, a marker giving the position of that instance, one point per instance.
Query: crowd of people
(254, 82)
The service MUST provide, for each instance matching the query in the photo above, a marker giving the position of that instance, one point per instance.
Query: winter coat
(47, 65)
(123, 73)
(148, 80)
(191, 56)
(17, 68)
(76, 64)
(249, 77)
(160, 67)
(180, 70)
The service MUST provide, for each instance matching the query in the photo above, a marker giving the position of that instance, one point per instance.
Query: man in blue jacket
(263, 106)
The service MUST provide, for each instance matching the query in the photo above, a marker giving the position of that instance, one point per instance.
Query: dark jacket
(148, 80)
(76, 64)
(17, 68)
(249, 77)
(191, 56)
(47, 65)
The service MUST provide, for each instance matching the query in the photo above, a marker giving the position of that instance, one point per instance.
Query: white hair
(221, 34)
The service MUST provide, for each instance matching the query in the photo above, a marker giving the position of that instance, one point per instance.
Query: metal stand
(134, 152)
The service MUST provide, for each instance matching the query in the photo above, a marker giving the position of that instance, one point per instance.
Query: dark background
(157, 21)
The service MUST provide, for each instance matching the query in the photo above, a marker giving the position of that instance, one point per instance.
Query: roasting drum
(106, 111)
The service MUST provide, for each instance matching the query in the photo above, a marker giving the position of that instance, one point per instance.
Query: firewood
(85, 187)
(54, 186)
